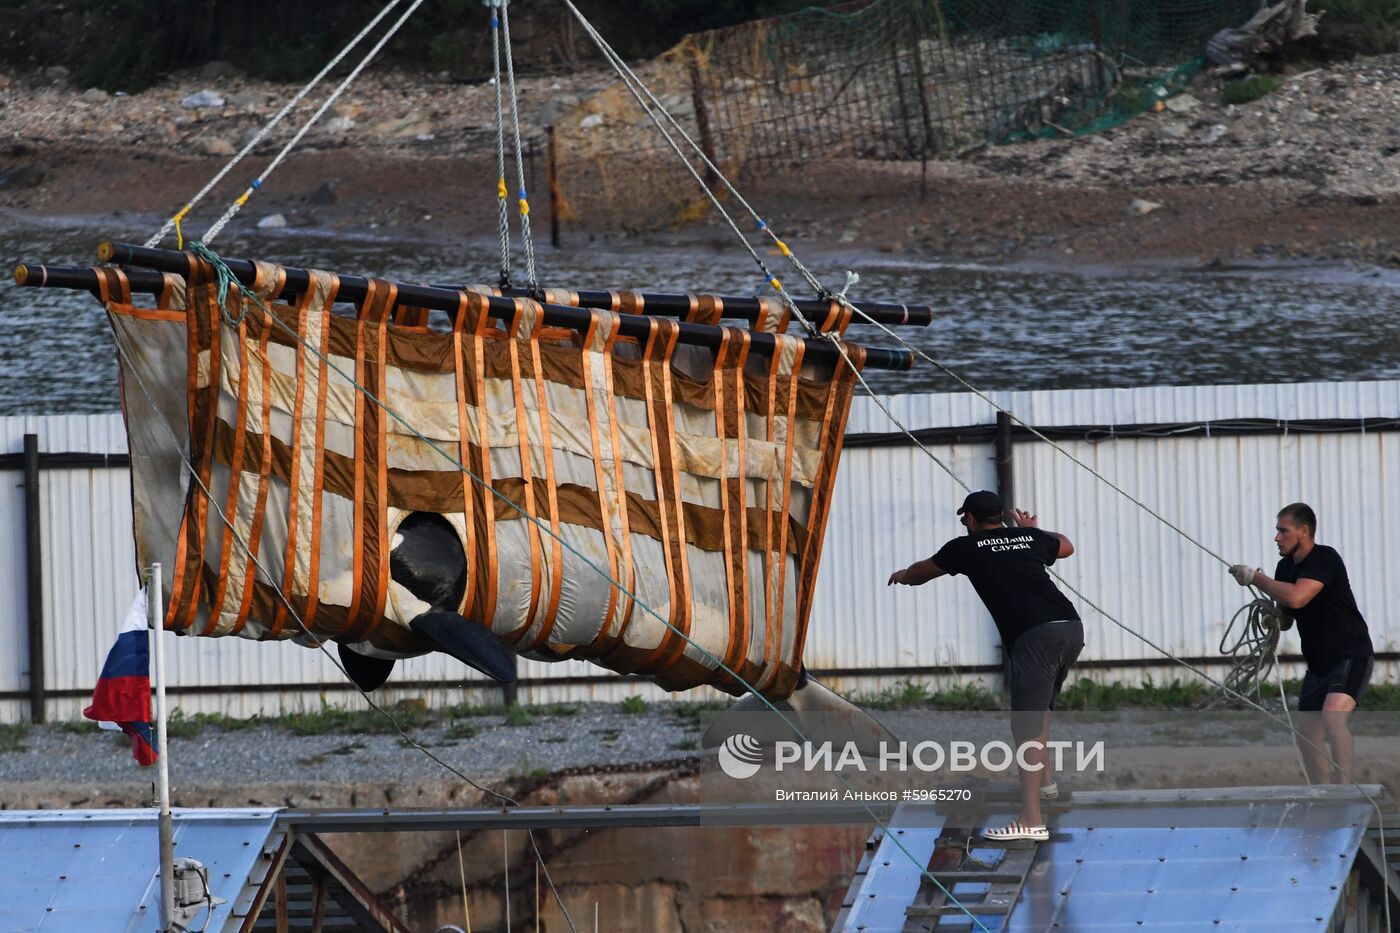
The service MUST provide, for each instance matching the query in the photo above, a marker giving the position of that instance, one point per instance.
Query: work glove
(1243, 573)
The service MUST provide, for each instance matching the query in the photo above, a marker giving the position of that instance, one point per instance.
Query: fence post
(551, 174)
(1003, 459)
(510, 693)
(702, 121)
(34, 578)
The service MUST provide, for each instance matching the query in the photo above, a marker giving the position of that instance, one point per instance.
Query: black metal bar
(66, 461)
(748, 309)
(34, 578)
(145, 281)
(1382, 657)
(1097, 433)
(353, 288)
(600, 817)
(1003, 460)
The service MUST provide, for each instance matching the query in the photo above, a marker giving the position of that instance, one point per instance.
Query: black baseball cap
(983, 504)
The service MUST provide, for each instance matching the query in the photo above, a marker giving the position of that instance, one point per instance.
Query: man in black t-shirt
(1041, 634)
(1311, 585)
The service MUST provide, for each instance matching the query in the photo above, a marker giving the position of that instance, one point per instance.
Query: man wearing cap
(1041, 634)
(1311, 585)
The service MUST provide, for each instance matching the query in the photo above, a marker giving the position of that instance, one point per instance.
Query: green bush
(1252, 88)
(634, 705)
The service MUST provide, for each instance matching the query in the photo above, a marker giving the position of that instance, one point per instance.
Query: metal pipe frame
(748, 309)
(579, 817)
(353, 289)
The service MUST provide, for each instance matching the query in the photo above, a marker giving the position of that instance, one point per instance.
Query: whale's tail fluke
(472, 644)
(367, 673)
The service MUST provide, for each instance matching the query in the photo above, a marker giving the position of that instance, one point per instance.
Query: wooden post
(1003, 460)
(510, 693)
(702, 121)
(34, 578)
(917, 32)
(280, 892)
(551, 173)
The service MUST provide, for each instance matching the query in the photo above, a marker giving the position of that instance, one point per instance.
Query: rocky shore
(1311, 170)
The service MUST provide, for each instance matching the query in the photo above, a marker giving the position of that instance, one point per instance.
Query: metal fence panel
(892, 506)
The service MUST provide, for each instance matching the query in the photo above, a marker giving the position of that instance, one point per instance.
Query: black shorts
(1349, 677)
(1036, 668)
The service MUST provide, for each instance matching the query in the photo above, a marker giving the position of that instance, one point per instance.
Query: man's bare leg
(1035, 776)
(1313, 744)
(1336, 710)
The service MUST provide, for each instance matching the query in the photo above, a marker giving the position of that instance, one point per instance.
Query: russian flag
(123, 692)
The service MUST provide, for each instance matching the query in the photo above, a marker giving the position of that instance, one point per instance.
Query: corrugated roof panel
(94, 870)
(1265, 866)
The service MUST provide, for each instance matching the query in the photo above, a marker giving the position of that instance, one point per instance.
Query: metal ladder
(953, 866)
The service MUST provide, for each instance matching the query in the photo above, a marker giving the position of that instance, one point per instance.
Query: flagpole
(167, 831)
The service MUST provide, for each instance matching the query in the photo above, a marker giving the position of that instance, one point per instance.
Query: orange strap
(838, 318)
(838, 407)
(308, 449)
(784, 371)
(597, 344)
(471, 327)
(522, 330)
(370, 560)
(773, 316)
(705, 309)
(203, 359)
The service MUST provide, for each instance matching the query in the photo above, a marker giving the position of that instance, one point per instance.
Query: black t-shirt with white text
(1330, 625)
(1006, 567)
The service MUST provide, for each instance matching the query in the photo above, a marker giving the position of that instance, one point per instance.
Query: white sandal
(1050, 791)
(1017, 830)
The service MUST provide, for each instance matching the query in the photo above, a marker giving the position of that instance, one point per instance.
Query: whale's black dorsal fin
(367, 673)
(468, 642)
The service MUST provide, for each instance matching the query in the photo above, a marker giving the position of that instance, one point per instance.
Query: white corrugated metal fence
(892, 506)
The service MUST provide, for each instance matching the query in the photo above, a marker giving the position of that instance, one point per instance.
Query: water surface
(1003, 328)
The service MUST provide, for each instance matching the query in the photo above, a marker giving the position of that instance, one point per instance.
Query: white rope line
(526, 240)
(636, 87)
(270, 125)
(257, 183)
(630, 78)
(502, 194)
(317, 642)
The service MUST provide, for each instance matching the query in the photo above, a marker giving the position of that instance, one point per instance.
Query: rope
(1254, 651)
(317, 642)
(223, 271)
(524, 203)
(257, 183)
(462, 871)
(174, 222)
(635, 86)
(503, 215)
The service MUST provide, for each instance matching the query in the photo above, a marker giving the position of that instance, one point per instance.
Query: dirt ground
(1309, 171)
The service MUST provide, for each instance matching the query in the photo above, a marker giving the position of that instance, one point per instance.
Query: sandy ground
(1312, 170)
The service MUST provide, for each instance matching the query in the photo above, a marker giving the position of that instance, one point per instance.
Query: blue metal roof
(1273, 865)
(94, 871)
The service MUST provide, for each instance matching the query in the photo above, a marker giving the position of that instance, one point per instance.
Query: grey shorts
(1036, 668)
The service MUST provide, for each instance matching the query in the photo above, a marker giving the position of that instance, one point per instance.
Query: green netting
(883, 79)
